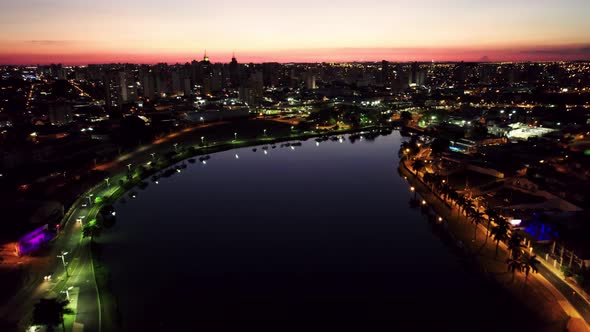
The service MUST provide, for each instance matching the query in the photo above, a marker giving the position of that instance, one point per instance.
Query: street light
(90, 199)
(67, 291)
(202, 121)
(235, 136)
(203, 140)
(175, 147)
(107, 181)
(264, 132)
(63, 260)
(129, 167)
(153, 154)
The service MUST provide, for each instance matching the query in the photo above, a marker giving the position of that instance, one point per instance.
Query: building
(234, 72)
(60, 113)
(310, 81)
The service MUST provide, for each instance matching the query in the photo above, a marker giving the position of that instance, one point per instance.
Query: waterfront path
(544, 294)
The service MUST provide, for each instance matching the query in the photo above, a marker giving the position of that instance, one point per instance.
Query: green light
(587, 152)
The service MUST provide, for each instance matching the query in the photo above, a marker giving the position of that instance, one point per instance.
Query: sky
(149, 31)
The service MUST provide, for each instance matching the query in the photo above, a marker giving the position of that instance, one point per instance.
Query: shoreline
(109, 306)
(541, 302)
(446, 234)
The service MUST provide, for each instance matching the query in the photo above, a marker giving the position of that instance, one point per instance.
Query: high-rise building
(416, 77)
(127, 86)
(149, 85)
(60, 113)
(112, 90)
(385, 76)
(252, 91)
(310, 81)
(234, 72)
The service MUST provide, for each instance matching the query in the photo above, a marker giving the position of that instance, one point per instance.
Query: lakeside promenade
(538, 294)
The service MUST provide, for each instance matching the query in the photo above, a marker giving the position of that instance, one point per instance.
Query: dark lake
(319, 237)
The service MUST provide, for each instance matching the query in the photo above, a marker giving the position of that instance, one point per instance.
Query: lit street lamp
(67, 292)
(153, 154)
(175, 147)
(264, 132)
(202, 121)
(90, 199)
(203, 140)
(107, 181)
(235, 136)
(63, 260)
(129, 167)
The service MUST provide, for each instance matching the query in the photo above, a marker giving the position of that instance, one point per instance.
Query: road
(576, 300)
(19, 308)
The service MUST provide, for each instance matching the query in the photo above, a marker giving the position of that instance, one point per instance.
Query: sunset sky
(149, 31)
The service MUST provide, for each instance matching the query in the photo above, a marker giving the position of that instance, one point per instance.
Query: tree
(461, 200)
(476, 218)
(406, 116)
(91, 230)
(514, 265)
(515, 245)
(500, 231)
(529, 263)
(492, 215)
(418, 165)
(49, 312)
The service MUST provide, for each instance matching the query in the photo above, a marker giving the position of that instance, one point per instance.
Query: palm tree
(418, 166)
(492, 216)
(476, 218)
(513, 266)
(454, 196)
(529, 263)
(468, 206)
(461, 201)
(500, 231)
(50, 312)
(515, 245)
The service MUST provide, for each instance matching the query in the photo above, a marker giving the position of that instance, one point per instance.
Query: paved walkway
(544, 298)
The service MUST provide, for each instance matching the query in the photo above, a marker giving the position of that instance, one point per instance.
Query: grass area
(69, 321)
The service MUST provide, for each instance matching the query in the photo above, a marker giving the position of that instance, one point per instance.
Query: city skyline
(262, 31)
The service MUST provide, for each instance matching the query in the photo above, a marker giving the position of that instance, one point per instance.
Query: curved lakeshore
(541, 298)
(344, 236)
(111, 191)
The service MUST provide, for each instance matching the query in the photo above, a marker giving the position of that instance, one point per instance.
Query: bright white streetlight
(129, 167)
(202, 139)
(63, 260)
(235, 136)
(202, 121)
(107, 181)
(90, 199)
(67, 292)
